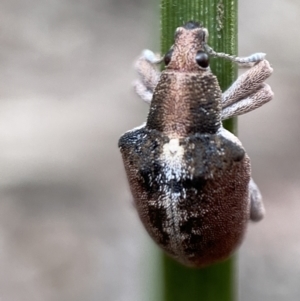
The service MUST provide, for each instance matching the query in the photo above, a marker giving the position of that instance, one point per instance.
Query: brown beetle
(191, 178)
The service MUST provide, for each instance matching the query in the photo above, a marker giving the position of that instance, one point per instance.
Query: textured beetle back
(191, 194)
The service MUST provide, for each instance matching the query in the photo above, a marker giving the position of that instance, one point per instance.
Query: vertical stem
(220, 18)
(214, 283)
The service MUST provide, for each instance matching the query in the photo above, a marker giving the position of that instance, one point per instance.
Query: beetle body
(191, 193)
(189, 177)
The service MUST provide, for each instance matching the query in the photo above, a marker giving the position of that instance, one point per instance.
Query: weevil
(191, 178)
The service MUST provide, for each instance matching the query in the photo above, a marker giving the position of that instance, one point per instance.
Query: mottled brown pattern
(213, 214)
(189, 181)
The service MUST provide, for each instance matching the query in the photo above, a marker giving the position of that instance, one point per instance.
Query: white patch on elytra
(174, 170)
(172, 159)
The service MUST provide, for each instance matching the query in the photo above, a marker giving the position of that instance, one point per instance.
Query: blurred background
(68, 230)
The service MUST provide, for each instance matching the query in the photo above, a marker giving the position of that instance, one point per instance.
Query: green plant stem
(217, 282)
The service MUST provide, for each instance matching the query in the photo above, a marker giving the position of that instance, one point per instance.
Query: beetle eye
(168, 56)
(202, 59)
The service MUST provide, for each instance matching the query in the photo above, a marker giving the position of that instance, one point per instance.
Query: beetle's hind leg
(257, 209)
(148, 75)
(248, 92)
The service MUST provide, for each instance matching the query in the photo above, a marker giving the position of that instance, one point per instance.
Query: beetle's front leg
(248, 92)
(148, 75)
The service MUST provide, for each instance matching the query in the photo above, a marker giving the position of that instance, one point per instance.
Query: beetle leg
(148, 75)
(257, 209)
(250, 103)
(248, 92)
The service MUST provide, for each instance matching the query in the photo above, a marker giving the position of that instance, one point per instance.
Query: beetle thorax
(185, 103)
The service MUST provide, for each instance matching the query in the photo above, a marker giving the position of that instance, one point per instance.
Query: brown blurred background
(68, 230)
